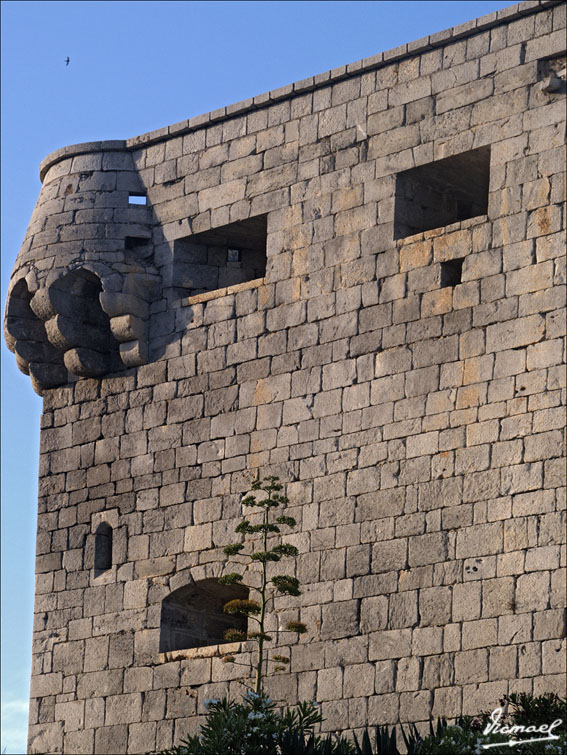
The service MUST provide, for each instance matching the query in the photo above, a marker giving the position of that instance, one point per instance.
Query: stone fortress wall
(355, 283)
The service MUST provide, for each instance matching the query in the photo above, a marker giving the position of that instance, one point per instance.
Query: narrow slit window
(137, 199)
(103, 548)
(442, 192)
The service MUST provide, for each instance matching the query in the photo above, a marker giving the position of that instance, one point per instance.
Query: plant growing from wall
(263, 554)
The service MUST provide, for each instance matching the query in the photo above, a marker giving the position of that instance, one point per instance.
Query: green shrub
(467, 736)
(256, 727)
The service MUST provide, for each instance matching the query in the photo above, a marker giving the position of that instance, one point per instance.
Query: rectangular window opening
(555, 64)
(451, 273)
(221, 257)
(442, 192)
(137, 199)
(552, 72)
(135, 242)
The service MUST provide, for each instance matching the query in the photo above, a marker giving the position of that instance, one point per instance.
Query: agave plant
(284, 584)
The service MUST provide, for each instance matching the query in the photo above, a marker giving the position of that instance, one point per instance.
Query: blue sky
(135, 67)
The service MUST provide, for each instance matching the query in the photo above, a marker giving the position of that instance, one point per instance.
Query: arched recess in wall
(103, 548)
(77, 324)
(26, 336)
(193, 615)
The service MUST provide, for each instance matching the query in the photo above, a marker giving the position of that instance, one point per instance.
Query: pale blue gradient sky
(135, 67)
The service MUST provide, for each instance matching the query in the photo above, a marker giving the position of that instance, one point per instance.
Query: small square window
(137, 199)
(443, 192)
(135, 242)
(451, 273)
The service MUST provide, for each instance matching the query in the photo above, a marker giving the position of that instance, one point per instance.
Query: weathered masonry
(355, 283)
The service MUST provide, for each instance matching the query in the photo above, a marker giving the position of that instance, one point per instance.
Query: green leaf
(260, 635)
(244, 527)
(265, 556)
(235, 635)
(264, 528)
(247, 607)
(296, 626)
(289, 520)
(286, 584)
(280, 658)
(232, 550)
(230, 579)
(250, 500)
(285, 549)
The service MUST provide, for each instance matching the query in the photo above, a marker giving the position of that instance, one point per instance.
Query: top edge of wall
(417, 47)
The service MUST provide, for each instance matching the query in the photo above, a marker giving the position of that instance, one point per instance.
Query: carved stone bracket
(76, 326)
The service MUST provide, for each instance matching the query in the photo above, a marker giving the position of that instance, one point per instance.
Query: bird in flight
(67, 60)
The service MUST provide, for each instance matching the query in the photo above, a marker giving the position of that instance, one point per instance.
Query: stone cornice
(375, 62)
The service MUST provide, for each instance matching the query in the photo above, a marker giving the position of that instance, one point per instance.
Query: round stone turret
(79, 296)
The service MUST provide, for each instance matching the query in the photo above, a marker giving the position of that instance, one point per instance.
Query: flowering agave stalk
(282, 583)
